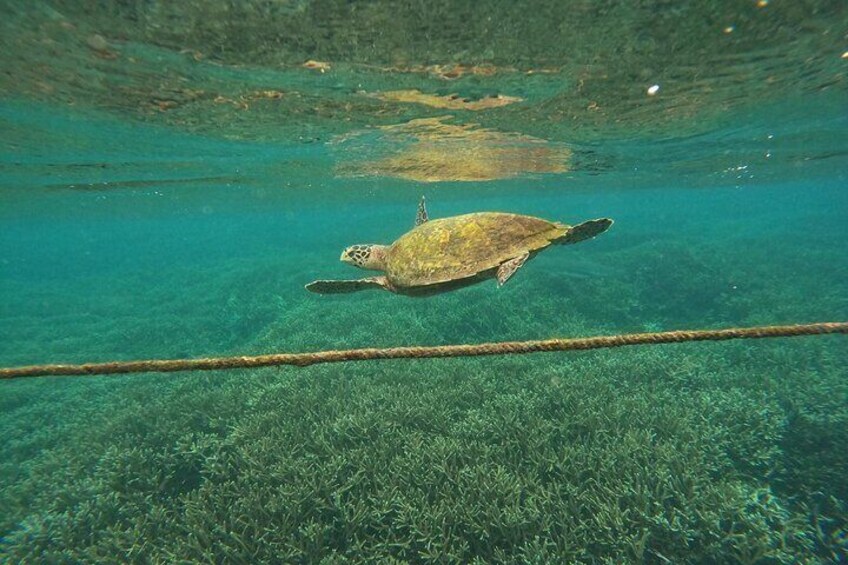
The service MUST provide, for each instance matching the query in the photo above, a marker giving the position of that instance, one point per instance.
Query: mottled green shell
(462, 246)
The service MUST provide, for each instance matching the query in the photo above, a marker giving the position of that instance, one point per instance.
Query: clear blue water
(160, 222)
(134, 235)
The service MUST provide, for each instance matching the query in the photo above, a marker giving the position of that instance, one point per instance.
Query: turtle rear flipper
(508, 268)
(586, 230)
(421, 217)
(347, 286)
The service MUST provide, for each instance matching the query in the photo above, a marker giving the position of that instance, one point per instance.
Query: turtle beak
(346, 258)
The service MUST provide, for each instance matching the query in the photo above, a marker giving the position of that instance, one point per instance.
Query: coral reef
(703, 453)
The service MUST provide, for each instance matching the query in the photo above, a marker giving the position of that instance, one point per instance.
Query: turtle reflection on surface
(435, 151)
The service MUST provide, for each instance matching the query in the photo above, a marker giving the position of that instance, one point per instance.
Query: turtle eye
(357, 254)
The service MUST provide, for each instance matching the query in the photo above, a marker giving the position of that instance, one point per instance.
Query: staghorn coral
(707, 453)
(499, 460)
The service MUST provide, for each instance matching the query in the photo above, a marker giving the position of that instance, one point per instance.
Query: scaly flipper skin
(348, 286)
(508, 268)
(586, 230)
(421, 217)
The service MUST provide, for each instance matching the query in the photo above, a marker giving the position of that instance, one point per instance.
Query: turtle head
(369, 256)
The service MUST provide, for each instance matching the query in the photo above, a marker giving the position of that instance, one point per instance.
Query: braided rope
(499, 348)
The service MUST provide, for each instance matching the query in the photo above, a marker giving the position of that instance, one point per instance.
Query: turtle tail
(586, 230)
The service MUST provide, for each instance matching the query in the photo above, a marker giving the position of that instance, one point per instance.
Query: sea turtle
(440, 255)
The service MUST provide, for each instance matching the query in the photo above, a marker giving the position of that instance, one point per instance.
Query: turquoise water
(134, 229)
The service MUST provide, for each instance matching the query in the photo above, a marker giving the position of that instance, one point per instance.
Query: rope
(499, 348)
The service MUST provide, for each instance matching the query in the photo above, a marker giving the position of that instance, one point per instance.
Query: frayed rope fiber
(419, 352)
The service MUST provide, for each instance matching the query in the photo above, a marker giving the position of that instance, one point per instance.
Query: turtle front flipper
(586, 230)
(347, 286)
